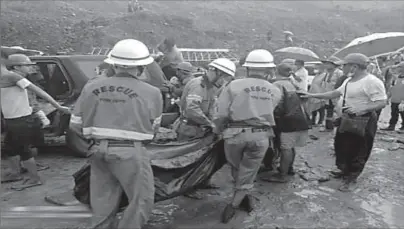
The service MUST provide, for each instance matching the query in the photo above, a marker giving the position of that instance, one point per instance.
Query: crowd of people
(262, 117)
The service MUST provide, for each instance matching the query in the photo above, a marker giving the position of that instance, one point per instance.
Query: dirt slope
(78, 25)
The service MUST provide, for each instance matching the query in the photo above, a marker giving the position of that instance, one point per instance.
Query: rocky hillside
(79, 25)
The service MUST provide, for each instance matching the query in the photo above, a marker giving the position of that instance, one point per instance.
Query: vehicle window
(55, 82)
(89, 68)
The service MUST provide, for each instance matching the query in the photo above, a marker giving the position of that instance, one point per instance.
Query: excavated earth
(76, 26)
(376, 202)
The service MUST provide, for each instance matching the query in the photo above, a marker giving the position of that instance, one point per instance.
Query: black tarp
(177, 167)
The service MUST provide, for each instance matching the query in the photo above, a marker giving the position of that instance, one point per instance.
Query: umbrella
(288, 61)
(297, 53)
(373, 45)
(288, 33)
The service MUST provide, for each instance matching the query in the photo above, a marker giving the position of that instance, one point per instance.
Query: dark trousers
(329, 115)
(395, 113)
(22, 134)
(352, 152)
(321, 112)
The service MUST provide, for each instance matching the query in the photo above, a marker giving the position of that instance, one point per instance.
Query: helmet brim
(134, 63)
(258, 65)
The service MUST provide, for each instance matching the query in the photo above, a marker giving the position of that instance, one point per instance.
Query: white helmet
(224, 65)
(130, 53)
(259, 58)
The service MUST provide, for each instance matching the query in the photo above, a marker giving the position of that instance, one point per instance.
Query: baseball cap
(332, 59)
(186, 66)
(284, 68)
(355, 58)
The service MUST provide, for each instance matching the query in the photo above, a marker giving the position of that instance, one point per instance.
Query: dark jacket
(291, 114)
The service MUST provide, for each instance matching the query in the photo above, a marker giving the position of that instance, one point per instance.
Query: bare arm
(41, 93)
(376, 105)
(326, 95)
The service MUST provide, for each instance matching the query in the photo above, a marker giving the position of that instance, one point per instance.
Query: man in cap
(245, 113)
(292, 123)
(171, 57)
(15, 61)
(118, 114)
(396, 97)
(177, 84)
(22, 126)
(333, 73)
(184, 75)
(363, 94)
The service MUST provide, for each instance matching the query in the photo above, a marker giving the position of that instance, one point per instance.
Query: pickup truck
(64, 78)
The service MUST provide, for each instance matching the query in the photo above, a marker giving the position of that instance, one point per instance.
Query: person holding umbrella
(362, 95)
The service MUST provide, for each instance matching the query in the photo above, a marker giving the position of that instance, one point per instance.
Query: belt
(253, 129)
(119, 143)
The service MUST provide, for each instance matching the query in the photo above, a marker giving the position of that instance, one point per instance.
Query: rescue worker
(332, 75)
(118, 113)
(197, 105)
(22, 125)
(245, 113)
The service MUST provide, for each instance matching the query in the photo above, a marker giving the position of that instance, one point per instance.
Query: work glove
(174, 81)
(44, 120)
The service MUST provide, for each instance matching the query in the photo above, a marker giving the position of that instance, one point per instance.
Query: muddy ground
(377, 201)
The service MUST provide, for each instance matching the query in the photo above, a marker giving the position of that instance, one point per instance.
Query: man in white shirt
(22, 125)
(300, 76)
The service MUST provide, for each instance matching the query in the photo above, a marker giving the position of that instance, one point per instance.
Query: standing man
(333, 73)
(245, 113)
(292, 122)
(363, 94)
(396, 94)
(300, 76)
(171, 57)
(22, 125)
(117, 113)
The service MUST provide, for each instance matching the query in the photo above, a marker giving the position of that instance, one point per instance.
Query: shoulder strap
(343, 101)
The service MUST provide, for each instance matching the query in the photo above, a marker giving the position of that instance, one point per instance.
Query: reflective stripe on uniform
(115, 133)
(194, 97)
(76, 119)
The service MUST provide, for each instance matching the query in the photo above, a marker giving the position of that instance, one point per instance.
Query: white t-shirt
(303, 74)
(14, 96)
(362, 92)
